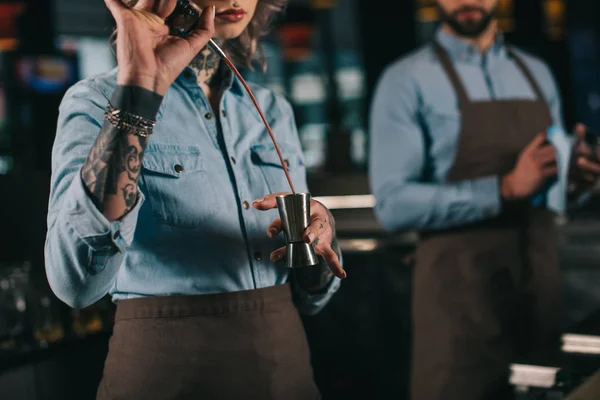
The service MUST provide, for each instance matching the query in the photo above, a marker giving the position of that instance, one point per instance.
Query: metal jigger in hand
(294, 210)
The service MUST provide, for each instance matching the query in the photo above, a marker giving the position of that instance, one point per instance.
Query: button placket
(205, 113)
(226, 138)
(249, 214)
(252, 224)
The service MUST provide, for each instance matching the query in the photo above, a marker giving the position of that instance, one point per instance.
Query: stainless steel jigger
(294, 210)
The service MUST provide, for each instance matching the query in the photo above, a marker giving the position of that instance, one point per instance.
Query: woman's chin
(227, 32)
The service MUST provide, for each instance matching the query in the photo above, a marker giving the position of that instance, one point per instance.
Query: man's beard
(469, 28)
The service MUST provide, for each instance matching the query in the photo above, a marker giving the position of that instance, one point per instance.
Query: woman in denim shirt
(163, 219)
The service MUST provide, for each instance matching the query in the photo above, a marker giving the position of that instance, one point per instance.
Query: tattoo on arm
(130, 195)
(112, 169)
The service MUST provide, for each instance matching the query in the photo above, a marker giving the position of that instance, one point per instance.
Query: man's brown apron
(487, 293)
(246, 345)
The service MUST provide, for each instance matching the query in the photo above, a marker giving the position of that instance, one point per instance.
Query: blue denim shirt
(192, 230)
(414, 127)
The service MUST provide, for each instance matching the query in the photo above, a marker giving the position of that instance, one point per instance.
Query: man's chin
(472, 30)
(469, 29)
(469, 25)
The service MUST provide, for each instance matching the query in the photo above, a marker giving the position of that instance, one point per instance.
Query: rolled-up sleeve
(405, 200)
(83, 250)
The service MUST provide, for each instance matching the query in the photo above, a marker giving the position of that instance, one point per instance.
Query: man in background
(468, 148)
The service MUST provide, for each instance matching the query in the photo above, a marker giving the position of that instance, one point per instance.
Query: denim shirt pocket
(178, 186)
(265, 157)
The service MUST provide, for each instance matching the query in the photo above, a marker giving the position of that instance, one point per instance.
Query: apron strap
(527, 72)
(448, 67)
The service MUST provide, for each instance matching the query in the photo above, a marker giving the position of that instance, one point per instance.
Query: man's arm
(398, 161)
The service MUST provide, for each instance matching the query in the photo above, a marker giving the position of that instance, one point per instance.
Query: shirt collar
(461, 50)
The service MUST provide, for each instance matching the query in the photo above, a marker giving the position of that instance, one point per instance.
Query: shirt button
(178, 168)
(233, 160)
(246, 205)
(116, 235)
(208, 116)
(287, 163)
(257, 256)
(224, 113)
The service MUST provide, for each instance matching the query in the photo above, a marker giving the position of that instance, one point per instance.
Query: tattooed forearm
(112, 170)
(95, 171)
(113, 166)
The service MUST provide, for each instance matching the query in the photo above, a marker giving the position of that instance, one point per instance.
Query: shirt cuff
(136, 100)
(487, 196)
(92, 226)
(311, 304)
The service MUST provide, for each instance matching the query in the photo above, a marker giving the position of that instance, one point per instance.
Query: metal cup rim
(291, 195)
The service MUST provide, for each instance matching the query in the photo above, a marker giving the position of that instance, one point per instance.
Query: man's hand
(321, 232)
(536, 165)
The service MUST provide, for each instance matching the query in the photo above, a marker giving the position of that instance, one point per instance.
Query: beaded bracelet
(128, 122)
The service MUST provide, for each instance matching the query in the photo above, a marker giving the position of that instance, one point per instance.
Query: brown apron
(487, 293)
(240, 345)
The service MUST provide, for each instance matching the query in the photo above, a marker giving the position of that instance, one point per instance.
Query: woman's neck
(207, 66)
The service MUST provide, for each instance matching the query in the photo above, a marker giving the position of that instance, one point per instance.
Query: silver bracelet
(130, 123)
